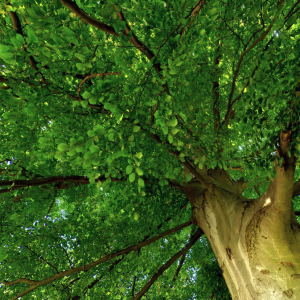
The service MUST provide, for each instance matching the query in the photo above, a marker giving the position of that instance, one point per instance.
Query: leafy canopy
(106, 110)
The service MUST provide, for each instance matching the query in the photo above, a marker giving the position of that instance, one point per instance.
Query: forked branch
(35, 284)
(164, 267)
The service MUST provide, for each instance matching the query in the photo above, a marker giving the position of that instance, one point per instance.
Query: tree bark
(256, 242)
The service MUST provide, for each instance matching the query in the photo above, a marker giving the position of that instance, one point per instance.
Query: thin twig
(93, 75)
(50, 208)
(42, 258)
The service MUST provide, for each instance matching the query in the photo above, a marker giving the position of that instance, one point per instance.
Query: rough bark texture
(256, 242)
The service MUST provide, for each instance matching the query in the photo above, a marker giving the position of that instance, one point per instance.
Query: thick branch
(60, 180)
(24, 280)
(72, 6)
(85, 268)
(186, 163)
(179, 267)
(282, 186)
(181, 262)
(164, 267)
(135, 41)
(194, 14)
(133, 286)
(109, 29)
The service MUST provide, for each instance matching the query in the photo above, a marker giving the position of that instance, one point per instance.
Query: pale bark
(256, 242)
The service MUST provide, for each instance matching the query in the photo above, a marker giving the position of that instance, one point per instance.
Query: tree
(134, 133)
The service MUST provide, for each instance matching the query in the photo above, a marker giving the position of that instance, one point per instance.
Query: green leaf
(32, 37)
(129, 169)
(81, 66)
(4, 48)
(139, 155)
(43, 140)
(84, 104)
(3, 255)
(111, 137)
(6, 55)
(213, 11)
(174, 130)
(139, 171)
(69, 32)
(73, 141)
(93, 148)
(71, 152)
(79, 148)
(20, 38)
(91, 133)
(165, 130)
(59, 155)
(132, 177)
(173, 122)
(93, 100)
(141, 182)
(170, 138)
(173, 71)
(80, 57)
(136, 128)
(15, 42)
(62, 147)
(86, 95)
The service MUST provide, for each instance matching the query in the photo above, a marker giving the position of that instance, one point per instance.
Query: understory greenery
(106, 109)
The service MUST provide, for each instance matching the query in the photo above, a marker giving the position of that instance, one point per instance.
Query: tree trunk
(256, 242)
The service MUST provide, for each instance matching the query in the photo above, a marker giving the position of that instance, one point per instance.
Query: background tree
(129, 129)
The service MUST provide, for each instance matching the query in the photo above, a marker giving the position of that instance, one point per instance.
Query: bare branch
(164, 267)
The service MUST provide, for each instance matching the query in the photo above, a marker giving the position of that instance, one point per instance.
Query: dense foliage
(106, 110)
